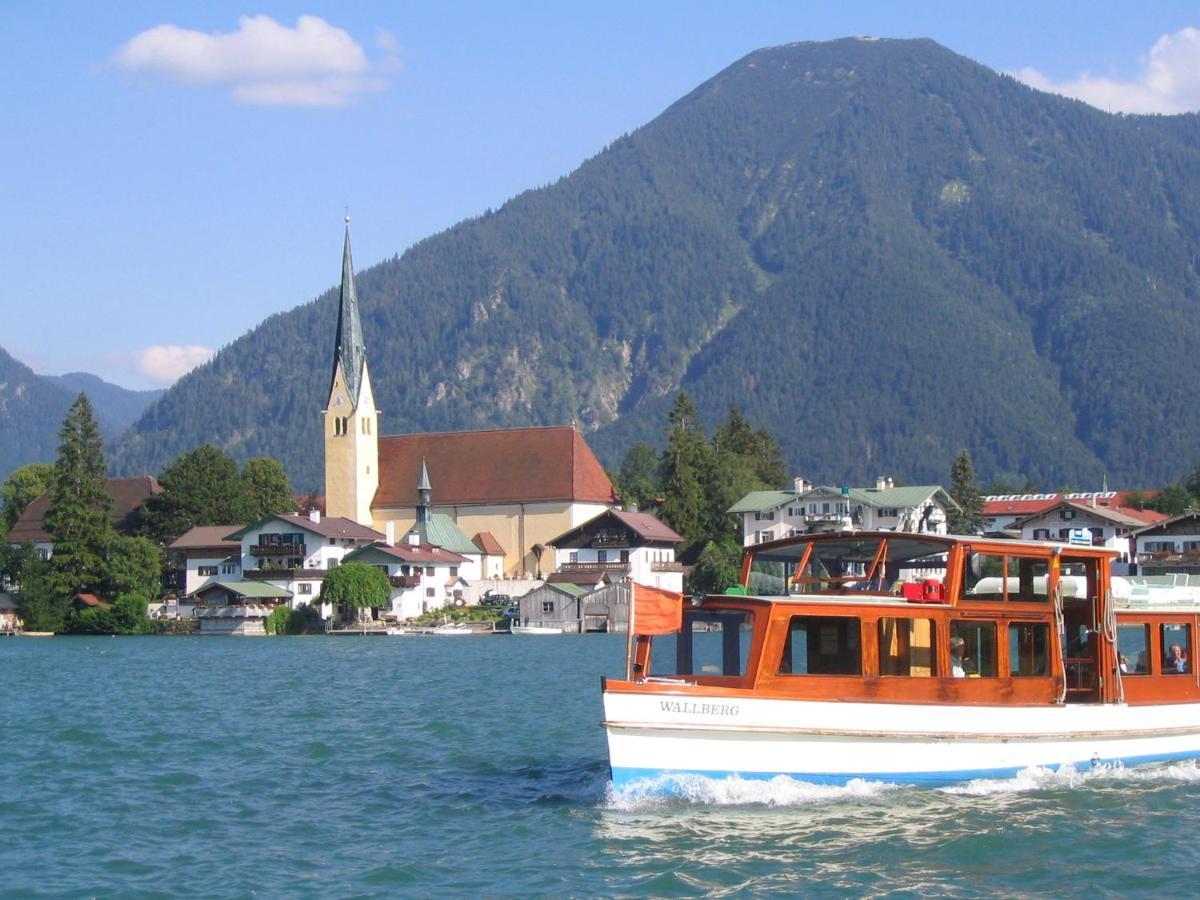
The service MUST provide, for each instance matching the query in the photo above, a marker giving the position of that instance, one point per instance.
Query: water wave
(667, 790)
(648, 793)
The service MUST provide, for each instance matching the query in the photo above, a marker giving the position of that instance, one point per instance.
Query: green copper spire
(424, 493)
(349, 351)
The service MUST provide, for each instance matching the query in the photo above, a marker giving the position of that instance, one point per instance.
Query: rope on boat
(1110, 635)
(1060, 624)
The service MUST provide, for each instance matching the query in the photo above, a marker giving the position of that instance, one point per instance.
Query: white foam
(734, 791)
(1041, 779)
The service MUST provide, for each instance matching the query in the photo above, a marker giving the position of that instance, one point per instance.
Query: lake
(319, 766)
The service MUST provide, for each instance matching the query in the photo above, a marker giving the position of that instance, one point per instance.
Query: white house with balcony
(294, 551)
(423, 577)
(808, 508)
(1087, 521)
(619, 545)
(1169, 546)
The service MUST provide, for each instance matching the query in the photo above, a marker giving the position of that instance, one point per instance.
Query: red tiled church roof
(127, 494)
(517, 465)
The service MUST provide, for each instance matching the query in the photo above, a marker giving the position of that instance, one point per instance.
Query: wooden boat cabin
(913, 618)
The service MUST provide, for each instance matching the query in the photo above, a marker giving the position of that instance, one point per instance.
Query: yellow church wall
(515, 526)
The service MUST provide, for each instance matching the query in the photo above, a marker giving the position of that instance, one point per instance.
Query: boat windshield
(875, 563)
(711, 642)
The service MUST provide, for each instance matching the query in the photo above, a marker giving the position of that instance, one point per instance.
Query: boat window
(1133, 648)
(1028, 648)
(1176, 649)
(711, 642)
(1013, 578)
(978, 647)
(822, 645)
(906, 647)
(849, 563)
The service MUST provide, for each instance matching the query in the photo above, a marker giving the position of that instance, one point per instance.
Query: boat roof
(914, 545)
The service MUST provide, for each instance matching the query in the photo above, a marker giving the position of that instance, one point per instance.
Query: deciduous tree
(356, 585)
(20, 489)
(202, 487)
(266, 490)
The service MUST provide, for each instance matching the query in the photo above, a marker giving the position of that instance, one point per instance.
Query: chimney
(314, 515)
(389, 531)
(881, 483)
(414, 539)
(800, 484)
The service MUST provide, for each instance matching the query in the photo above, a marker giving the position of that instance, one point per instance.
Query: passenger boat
(906, 658)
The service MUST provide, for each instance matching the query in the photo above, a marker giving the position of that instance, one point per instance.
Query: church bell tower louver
(350, 417)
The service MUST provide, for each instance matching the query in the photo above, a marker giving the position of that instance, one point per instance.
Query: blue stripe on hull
(624, 777)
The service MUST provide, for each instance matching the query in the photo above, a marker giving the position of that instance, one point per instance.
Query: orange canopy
(656, 611)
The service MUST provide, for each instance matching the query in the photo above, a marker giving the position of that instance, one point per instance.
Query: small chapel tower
(351, 419)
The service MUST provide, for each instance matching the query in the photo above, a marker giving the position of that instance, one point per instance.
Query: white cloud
(263, 62)
(1169, 81)
(168, 363)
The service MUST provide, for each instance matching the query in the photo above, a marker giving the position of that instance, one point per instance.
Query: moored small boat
(904, 658)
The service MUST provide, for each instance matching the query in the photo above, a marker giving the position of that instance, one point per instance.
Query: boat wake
(782, 791)
(1070, 777)
(648, 793)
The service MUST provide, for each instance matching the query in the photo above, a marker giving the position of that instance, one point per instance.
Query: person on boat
(957, 645)
(1143, 664)
(1124, 664)
(1176, 663)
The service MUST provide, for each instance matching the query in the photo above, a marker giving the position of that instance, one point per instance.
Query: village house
(1086, 520)
(423, 577)
(1171, 545)
(128, 495)
(621, 545)
(808, 508)
(203, 554)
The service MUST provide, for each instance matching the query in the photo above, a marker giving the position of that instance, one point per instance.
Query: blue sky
(173, 173)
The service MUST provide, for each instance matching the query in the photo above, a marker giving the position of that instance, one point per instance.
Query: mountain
(32, 408)
(880, 250)
(116, 407)
(31, 412)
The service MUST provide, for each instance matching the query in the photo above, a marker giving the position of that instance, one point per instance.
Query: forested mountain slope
(880, 250)
(32, 407)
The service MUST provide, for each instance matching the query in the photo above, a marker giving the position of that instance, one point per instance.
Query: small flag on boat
(656, 611)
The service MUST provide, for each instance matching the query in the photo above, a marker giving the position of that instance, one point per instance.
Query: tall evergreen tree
(79, 515)
(685, 464)
(637, 481)
(968, 518)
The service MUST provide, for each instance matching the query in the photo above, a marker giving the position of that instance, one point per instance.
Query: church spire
(349, 350)
(424, 495)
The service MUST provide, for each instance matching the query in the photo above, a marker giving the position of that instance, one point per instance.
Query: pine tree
(684, 467)
(79, 514)
(968, 518)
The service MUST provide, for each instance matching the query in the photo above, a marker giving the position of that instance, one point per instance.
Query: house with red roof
(1077, 519)
(423, 577)
(521, 486)
(128, 495)
(618, 545)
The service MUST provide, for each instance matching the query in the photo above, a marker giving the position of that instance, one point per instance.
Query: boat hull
(652, 735)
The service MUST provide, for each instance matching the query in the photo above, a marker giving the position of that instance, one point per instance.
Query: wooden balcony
(598, 568)
(279, 550)
(666, 567)
(404, 581)
(282, 574)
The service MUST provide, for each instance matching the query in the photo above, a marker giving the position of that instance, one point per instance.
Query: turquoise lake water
(320, 767)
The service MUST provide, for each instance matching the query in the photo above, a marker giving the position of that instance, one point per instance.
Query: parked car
(490, 599)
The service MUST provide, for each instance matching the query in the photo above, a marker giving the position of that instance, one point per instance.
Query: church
(512, 490)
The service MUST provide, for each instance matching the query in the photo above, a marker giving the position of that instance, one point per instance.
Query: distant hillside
(116, 407)
(31, 412)
(880, 250)
(32, 408)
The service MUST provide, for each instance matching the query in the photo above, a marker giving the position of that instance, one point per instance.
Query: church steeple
(424, 495)
(349, 350)
(351, 419)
